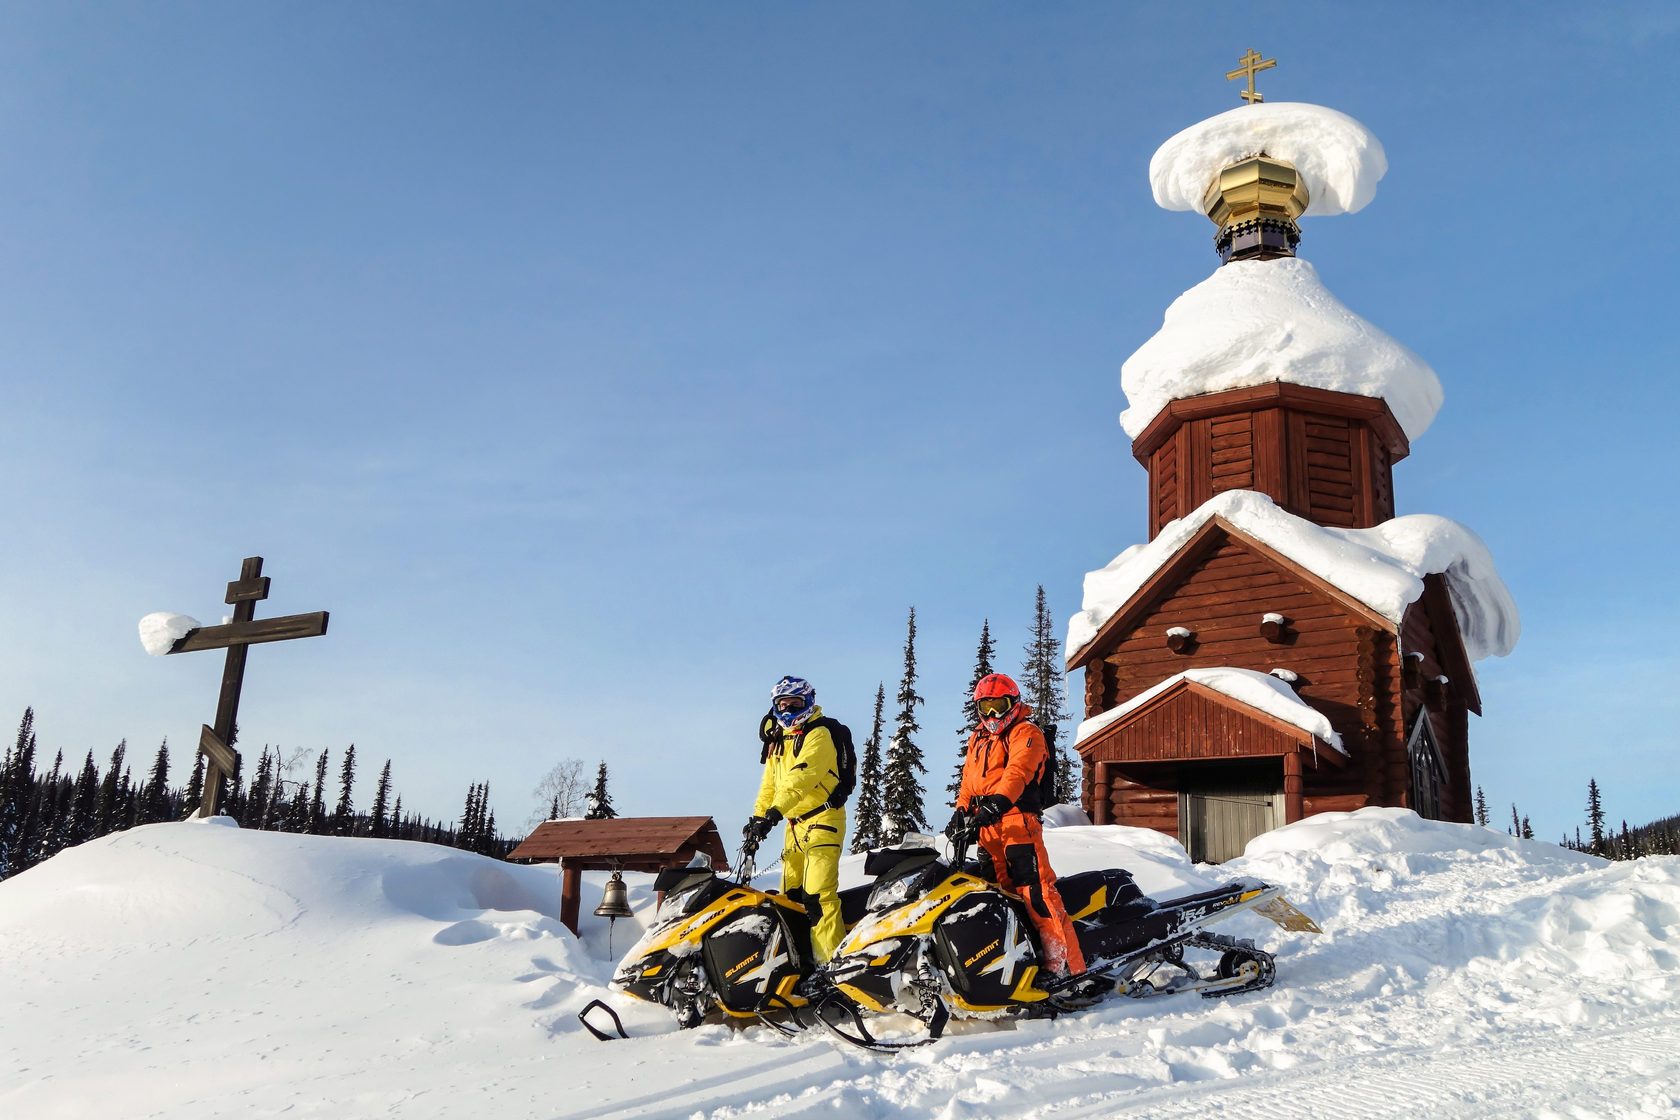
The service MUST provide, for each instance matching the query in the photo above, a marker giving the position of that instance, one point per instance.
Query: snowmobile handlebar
(746, 863)
(963, 839)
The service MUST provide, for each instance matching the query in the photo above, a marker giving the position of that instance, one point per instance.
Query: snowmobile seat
(1103, 897)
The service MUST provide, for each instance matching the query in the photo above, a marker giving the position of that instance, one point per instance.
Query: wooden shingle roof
(632, 840)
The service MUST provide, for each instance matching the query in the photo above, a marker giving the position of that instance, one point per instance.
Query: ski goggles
(994, 706)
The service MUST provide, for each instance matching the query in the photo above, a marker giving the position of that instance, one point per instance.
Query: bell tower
(1321, 454)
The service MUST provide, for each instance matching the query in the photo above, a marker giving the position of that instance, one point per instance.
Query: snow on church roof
(1257, 690)
(1256, 322)
(1338, 157)
(1382, 567)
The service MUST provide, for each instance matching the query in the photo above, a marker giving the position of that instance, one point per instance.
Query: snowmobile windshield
(685, 894)
(910, 879)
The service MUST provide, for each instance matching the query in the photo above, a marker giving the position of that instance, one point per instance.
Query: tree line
(889, 798)
(44, 811)
(1658, 838)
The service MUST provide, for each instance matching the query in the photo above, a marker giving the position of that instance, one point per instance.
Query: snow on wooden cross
(236, 636)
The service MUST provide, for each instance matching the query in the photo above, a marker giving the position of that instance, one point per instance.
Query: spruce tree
(1481, 807)
(84, 802)
(381, 799)
(901, 807)
(154, 797)
(344, 816)
(1041, 686)
(55, 811)
(259, 804)
(971, 711)
(1595, 819)
(195, 786)
(129, 794)
(600, 802)
(17, 799)
(1527, 832)
(110, 794)
(231, 800)
(466, 837)
(1516, 822)
(317, 822)
(866, 814)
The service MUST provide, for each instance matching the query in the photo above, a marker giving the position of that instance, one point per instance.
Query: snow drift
(191, 969)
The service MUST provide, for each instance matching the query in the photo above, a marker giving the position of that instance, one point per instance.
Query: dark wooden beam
(215, 750)
(252, 632)
(243, 590)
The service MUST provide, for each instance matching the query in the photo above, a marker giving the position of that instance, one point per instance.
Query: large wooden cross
(236, 636)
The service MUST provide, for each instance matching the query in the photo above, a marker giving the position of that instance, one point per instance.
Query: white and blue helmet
(792, 700)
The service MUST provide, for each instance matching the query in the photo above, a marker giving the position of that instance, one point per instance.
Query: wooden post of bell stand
(1292, 801)
(236, 636)
(1102, 809)
(571, 887)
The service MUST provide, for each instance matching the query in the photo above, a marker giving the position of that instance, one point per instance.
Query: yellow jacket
(800, 773)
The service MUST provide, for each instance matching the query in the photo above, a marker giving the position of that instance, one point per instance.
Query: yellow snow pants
(811, 863)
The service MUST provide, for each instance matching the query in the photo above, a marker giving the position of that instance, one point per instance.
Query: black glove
(958, 825)
(759, 827)
(991, 808)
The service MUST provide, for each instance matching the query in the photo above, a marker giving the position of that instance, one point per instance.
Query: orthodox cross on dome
(1252, 64)
(236, 636)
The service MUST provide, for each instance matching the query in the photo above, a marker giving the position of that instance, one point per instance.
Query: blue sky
(595, 365)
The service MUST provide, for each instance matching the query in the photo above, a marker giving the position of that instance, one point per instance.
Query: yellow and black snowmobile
(720, 947)
(937, 939)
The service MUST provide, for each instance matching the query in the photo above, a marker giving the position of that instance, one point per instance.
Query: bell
(615, 901)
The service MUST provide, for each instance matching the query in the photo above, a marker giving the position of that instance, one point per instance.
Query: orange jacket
(1003, 764)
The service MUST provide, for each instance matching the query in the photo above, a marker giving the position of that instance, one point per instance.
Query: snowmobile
(937, 939)
(720, 947)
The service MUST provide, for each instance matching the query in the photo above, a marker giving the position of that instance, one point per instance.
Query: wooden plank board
(218, 752)
(247, 590)
(254, 632)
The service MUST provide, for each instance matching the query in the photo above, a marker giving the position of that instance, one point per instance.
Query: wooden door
(1220, 810)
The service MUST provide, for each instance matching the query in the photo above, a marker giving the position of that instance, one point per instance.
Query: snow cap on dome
(1337, 156)
(1255, 322)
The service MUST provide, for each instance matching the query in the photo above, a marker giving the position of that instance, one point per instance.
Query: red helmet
(1005, 698)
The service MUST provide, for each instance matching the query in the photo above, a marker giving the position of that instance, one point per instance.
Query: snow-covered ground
(195, 970)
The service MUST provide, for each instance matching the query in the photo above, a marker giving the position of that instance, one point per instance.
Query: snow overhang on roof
(1381, 567)
(1256, 322)
(1260, 691)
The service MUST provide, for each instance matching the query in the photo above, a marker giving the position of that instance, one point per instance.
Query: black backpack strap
(829, 724)
(769, 735)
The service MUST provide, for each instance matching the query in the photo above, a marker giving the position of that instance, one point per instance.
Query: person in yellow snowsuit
(801, 771)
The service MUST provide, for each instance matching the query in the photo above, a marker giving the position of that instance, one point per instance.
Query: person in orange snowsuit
(1002, 776)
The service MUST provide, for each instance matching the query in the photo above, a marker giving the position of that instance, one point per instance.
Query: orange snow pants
(1015, 845)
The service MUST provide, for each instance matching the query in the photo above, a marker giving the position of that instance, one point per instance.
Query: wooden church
(1281, 645)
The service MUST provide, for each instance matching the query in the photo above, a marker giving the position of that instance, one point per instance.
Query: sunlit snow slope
(195, 970)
